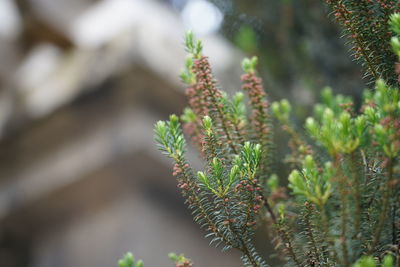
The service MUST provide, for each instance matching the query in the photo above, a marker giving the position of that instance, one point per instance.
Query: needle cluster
(343, 206)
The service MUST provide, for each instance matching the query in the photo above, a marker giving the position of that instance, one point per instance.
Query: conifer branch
(309, 232)
(347, 192)
(216, 106)
(344, 211)
(385, 206)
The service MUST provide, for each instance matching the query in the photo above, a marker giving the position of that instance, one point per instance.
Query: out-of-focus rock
(10, 25)
(49, 79)
(110, 36)
(79, 171)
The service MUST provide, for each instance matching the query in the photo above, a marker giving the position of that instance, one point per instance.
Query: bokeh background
(82, 83)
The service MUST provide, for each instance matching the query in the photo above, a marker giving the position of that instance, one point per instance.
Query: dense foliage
(365, 23)
(343, 208)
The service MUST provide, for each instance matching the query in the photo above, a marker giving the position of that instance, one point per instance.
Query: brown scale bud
(251, 223)
(249, 187)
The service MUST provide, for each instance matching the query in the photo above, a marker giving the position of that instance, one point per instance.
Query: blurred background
(82, 83)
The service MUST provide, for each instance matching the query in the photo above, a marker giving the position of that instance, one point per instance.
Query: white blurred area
(202, 16)
(10, 22)
(82, 83)
(107, 34)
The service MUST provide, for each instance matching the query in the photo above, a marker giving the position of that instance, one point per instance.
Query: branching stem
(385, 206)
(363, 51)
(343, 211)
(248, 254)
(309, 231)
(201, 207)
(282, 234)
(357, 191)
